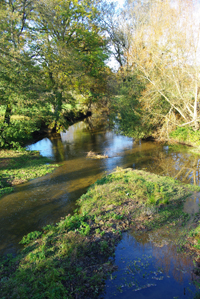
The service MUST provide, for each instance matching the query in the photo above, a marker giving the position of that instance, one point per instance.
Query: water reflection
(45, 200)
(149, 269)
(179, 165)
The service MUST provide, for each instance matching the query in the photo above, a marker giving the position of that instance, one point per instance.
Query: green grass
(71, 259)
(186, 135)
(17, 167)
(145, 188)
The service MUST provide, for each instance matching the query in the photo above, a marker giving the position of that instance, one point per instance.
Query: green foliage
(84, 228)
(20, 166)
(128, 112)
(30, 237)
(40, 75)
(195, 234)
(186, 135)
(15, 134)
(157, 195)
(113, 190)
(75, 222)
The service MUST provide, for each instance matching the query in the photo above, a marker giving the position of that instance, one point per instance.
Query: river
(45, 200)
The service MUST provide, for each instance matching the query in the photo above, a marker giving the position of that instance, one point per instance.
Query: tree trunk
(196, 125)
(8, 114)
(57, 111)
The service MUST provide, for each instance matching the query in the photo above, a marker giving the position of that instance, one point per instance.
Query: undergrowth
(186, 135)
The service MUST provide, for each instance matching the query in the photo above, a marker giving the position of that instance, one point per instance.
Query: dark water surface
(45, 200)
(149, 268)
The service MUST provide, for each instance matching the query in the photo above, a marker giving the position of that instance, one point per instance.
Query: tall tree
(19, 76)
(51, 50)
(70, 49)
(165, 51)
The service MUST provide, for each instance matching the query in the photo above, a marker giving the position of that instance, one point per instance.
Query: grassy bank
(17, 167)
(186, 135)
(71, 259)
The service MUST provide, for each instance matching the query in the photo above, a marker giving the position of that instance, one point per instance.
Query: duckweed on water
(71, 259)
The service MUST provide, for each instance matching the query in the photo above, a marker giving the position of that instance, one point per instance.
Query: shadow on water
(45, 200)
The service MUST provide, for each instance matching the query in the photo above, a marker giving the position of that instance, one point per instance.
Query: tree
(51, 51)
(165, 50)
(70, 49)
(20, 78)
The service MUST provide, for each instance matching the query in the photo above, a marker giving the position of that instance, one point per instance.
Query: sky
(120, 2)
(112, 62)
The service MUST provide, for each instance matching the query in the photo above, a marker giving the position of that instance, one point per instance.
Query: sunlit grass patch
(19, 117)
(17, 167)
(137, 186)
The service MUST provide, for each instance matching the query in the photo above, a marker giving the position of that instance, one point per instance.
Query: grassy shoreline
(71, 259)
(17, 167)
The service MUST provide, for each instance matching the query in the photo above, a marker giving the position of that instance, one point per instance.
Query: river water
(45, 200)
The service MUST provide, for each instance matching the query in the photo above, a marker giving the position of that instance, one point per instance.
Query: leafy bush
(15, 134)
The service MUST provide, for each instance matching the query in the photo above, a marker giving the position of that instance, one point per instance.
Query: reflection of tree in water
(89, 124)
(169, 260)
(182, 166)
(96, 123)
(75, 142)
(57, 147)
(165, 253)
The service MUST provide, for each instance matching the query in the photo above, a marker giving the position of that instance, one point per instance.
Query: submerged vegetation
(71, 259)
(17, 167)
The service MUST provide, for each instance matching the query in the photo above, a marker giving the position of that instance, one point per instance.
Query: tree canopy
(163, 50)
(54, 53)
(51, 50)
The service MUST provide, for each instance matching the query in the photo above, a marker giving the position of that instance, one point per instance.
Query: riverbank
(23, 129)
(187, 136)
(71, 259)
(17, 167)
